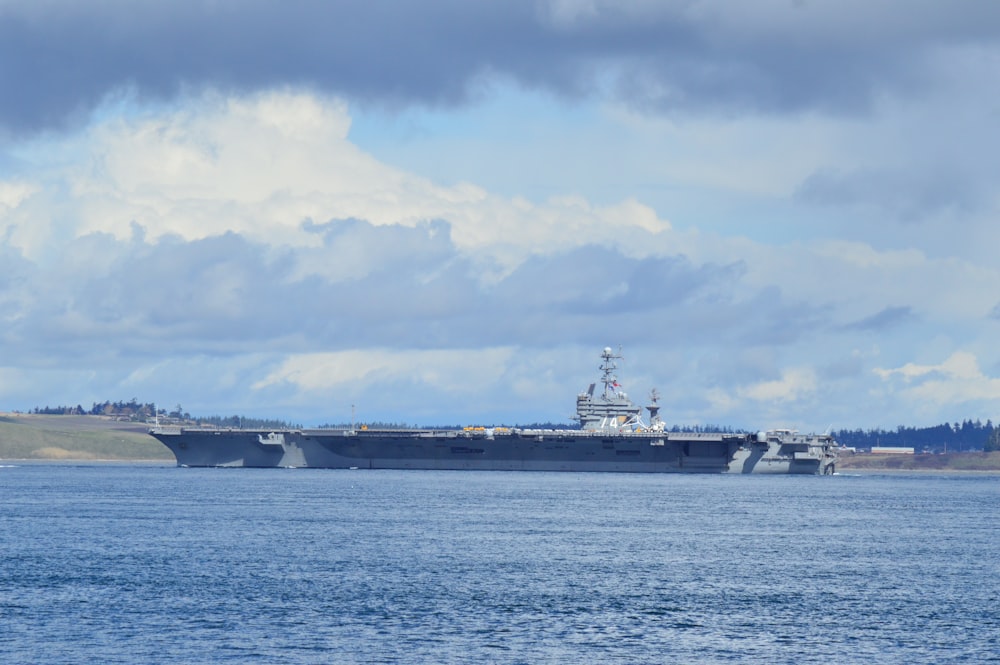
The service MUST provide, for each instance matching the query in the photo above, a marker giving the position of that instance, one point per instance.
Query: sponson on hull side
(612, 437)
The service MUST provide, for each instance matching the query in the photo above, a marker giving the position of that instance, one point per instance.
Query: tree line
(946, 437)
(968, 435)
(133, 410)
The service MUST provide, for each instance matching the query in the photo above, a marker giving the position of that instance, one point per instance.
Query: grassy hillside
(76, 438)
(948, 462)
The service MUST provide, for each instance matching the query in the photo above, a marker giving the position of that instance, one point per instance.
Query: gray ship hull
(780, 452)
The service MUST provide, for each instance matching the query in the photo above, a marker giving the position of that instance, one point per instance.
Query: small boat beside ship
(611, 437)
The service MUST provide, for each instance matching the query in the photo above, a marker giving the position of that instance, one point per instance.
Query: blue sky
(785, 213)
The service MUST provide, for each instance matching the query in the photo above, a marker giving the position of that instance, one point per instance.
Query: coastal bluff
(66, 437)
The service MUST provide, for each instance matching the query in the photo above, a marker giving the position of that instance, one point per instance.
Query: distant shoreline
(36, 438)
(948, 462)
(41, 461)
(875, 471)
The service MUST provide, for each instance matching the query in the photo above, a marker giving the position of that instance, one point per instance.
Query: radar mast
(608, 367)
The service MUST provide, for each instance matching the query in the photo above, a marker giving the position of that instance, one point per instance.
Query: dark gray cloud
(887, 318)
(226, 295)
(910, 196)
(61, 58)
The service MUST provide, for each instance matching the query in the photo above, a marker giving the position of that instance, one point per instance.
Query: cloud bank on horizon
(785, 213)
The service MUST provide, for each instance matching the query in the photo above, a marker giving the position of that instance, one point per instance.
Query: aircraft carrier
(612, 436)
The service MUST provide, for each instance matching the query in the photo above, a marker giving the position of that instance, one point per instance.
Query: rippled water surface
(150, 564)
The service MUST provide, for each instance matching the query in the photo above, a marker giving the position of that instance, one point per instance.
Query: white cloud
(12, 194)
(243, 250)
(793, 385)
(957, 380)
(451, 371)
(262, 166)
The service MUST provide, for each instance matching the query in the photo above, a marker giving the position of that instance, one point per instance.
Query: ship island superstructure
(612, 436)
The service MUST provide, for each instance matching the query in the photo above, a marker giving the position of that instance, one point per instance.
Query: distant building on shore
(892, 450)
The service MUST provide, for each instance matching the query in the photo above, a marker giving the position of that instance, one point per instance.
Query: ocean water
(156, 564)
